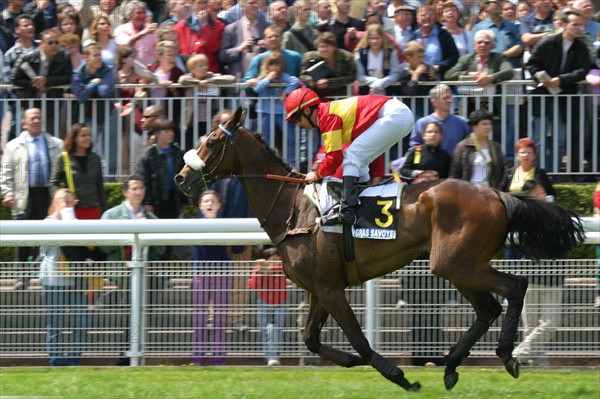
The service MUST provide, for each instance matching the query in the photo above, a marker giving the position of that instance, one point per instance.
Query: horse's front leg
(334, 302)
(317, 316)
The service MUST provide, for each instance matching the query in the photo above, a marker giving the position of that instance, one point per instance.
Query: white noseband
(192, 160)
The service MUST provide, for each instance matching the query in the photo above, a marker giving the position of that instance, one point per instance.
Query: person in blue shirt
(456, 128)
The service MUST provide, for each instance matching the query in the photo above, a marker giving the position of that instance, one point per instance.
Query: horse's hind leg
(488, 309)
(317, 316)
(508, 334)
(337, 305)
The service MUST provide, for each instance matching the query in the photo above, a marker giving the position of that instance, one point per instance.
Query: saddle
(375, 215)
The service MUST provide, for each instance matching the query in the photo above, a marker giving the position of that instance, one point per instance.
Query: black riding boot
(349, 200)
(346, 211)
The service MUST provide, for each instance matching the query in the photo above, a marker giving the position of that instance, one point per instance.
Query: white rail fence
(146, 310)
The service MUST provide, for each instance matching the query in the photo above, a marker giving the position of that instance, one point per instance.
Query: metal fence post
(137, 293)
(370, 312)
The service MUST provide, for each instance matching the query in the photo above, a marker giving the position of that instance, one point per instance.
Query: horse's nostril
(179, 179)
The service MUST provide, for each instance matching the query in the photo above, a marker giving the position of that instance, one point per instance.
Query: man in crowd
(138, 33)
(25, 176)
(558, 62)
(456, 128)
(158, 166)
(37, 71)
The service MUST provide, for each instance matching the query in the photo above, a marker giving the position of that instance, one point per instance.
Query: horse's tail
(541, 230)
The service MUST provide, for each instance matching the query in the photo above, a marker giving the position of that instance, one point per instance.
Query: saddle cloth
(375, 214)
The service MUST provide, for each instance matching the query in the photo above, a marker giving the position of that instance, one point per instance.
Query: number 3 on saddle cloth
(375, 214)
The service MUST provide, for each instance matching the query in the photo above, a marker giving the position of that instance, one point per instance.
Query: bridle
(210, 175)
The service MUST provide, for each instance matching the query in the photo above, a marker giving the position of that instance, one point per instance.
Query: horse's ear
(239, 116)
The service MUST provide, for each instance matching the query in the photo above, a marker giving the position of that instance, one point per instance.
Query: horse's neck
(271, 201)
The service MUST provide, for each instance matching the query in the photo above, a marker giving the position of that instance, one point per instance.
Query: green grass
(247, 382)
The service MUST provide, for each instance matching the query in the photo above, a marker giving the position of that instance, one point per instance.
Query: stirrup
(333, 217)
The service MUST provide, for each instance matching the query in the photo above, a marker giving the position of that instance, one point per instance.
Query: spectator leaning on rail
(371, 124)
(337, 71)
(39, 70)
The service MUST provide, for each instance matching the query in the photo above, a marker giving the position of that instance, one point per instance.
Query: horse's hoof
(450, 380)
(414, 387)
(513, 367)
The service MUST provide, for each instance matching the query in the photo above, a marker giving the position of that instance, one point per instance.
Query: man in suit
(38, 71)
(26, 169)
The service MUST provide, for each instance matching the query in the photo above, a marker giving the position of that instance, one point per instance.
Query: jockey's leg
(349, 200)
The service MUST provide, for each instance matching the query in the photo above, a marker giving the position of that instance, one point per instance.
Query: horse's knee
(496, 311)
(312, 343)
(517, 293)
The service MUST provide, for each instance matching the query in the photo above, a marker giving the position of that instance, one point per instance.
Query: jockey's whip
(286, 178)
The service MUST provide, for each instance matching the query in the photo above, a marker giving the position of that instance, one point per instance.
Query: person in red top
(201, 34)
(371, 124)
(268, 279)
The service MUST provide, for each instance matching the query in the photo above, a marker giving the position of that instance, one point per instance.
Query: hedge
(577, 197)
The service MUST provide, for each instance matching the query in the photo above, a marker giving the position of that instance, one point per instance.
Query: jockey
(371, 124)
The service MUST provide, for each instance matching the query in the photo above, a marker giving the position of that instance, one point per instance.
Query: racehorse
(459, 224)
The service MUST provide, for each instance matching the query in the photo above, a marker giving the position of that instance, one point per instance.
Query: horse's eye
(210, 144)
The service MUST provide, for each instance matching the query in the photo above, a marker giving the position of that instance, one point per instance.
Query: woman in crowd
(166, 73)
(338, 70)
(427, 162)
(462, 38)
(79, 169)
(69, 24)
(526, 152)
(376, 61)
(477, 158)
(101, 33)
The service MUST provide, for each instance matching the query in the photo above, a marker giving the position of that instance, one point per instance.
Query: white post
(370, 310)
(137, 302)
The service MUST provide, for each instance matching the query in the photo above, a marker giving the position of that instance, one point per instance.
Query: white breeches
(395, 122)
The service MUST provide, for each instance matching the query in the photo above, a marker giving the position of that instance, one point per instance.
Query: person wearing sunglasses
(39, 70)
(371, 125)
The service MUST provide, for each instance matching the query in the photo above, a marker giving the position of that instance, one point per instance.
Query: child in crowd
(206, 84)
(412, 72)
(212, 282)
(270, 282)
(270, 81)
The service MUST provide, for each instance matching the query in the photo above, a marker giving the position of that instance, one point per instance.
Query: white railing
(370, 303)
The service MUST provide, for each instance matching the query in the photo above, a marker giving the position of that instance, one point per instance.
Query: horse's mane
(275, 154)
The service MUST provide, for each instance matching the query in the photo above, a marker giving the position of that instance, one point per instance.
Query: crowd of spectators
(47, 43)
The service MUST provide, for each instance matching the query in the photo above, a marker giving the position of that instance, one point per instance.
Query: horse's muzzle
(185, 182)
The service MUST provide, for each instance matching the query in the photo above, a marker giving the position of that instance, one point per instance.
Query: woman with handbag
(80, 170)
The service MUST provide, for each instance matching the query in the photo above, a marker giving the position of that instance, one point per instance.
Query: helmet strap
(309, 116)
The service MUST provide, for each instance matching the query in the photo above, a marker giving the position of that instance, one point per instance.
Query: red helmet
(298, 100)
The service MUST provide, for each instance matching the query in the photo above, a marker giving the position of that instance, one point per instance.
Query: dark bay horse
(459, 224)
